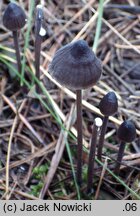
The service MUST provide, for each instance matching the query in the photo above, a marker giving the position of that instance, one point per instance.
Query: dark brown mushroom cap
(127, 131)
(14, 17)
(109, 104)
(76, 66)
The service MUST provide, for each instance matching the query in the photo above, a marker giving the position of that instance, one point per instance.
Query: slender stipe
(90, 174)
(16, 43)
(75, 66)
(38, 41)
(102, 136)
(119, 158)
(79, 136)
(108, 106)
(126, 134)
(14, 19)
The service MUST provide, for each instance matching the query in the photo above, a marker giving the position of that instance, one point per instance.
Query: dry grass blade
(131, 163)
(89, 106)
(119, 78)
(2, 89)
(23, 119)
(132, 156)
(8, 156)
(58, 154)
(76, 16)
(31, 123)
(21, 193)
(63, 118)
(117, 33)
(90, 22)
(38, 153)
(101, 178)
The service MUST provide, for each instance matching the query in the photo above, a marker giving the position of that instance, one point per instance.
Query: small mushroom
(108, 106)
(126, 134)
(96, 128)
(14, 19)
(76, 67)
(40, 32)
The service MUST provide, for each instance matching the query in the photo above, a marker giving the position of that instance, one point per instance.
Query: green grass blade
(62, 126)
(30, 88)
(116, 177)
(7, 49)
(73, 170)
(53, 113)
(45, 92)
(8, 58)
(120, 181)
(57, 118)
(99, 25)
(27, 38)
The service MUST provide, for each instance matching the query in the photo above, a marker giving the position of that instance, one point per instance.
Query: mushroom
(96, 127)
(126, 134)
(76, 67)
(108, 106)
(14, 19)
(40, 32)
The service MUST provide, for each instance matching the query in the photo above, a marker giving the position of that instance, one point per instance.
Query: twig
(8, 155)
(57, 156)
(23, 119)
(84, 102)
(101, 178)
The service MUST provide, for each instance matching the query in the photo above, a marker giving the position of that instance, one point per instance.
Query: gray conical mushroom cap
(109, 104)
(76, 66)
(127, 131)
(14, 17)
